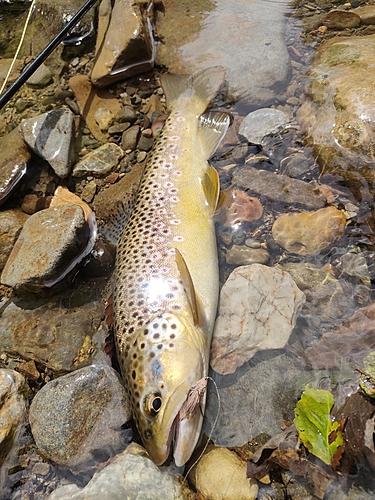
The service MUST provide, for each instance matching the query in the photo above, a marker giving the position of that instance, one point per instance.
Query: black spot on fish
(159, 346)
(156, 335)
(134, 374)
(173, 326)
(143, 345)
(172, 336)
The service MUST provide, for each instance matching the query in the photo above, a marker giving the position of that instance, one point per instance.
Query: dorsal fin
(194, 302)
(211, 188)
(213, 125)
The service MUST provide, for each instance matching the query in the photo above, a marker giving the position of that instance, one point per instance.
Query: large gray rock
(246, 38)
(130, 475)
(253, 400)
(78, 415)
(51, 136)
(49, 241)
(258, 309)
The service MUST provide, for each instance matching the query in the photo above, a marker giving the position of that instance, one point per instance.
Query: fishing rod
(34, 65)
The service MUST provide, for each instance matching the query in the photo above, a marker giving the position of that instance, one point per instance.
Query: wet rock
(90, 100)
(240, 255)
(309, 233)
(261, 123)
(129, 475)
(100, 161)
(325, 297)
(51, 136)
(40, 78)
(125, 45)
(204, 31)
(279, 187)
(258, 309)
(78, 415)
(238, 207)
(355, 265)
(263, 390)
(112, 205)
(13, 391)
(129, 138)
(340, 119)
(104, 118)
(49, 241)
(295, 165)
(55, 333)
(220, 473)
(14, 156)
(366, 13)
(11, 223)
(341, 19)
(126, 114)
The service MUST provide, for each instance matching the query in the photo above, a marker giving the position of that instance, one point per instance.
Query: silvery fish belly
(166, 278)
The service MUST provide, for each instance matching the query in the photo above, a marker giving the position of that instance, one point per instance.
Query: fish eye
(153, 404)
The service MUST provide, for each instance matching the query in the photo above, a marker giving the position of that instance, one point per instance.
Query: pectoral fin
(211, 188)
(213, 125)
(194, 302)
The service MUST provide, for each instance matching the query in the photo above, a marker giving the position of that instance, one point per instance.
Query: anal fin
(194, 302)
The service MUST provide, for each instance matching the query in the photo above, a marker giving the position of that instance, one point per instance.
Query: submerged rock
(11, 223)
(197, 35)
(264, 393)
(258, 309)
(238, 207)
(49, 241)
(129, 475)
(309, 233)
(262, 122)
(220, 473)
(99, 162)
(125, 45)
(51, 136)
(79, 416)
(55, 333)
(240, 255)
(14, 156)
(279, 187)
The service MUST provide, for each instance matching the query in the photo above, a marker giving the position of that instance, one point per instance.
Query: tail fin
(200, 87)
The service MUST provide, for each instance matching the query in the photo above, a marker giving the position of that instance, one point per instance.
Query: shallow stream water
(258, 399)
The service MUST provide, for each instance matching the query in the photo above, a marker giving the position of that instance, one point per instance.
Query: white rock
(262, 122)
(258, 309)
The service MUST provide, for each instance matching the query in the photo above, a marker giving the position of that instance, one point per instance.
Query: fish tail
(199, 87)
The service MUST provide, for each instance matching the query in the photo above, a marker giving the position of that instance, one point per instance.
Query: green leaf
(321, 436)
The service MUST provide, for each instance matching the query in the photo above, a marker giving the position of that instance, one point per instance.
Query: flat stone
(99, 162)
(14, 156)
(309, 233)
(125, 45)
(40, 78)
(366, 13)
(13, 391)
(279, 187)
(129, 475)
(220, 473)
(11, 223)
(79, 414)
(89, 100)
(261, 123)
(240, 255)
(263, 391)
(341, 19)
(196, 35)
(258, 309)
(56, 333)
(49, 240)
(51, 136)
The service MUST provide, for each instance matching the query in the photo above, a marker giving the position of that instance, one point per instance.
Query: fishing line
(19, 46)
(211, 432)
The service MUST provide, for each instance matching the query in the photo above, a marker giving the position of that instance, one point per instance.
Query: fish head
(169, 359)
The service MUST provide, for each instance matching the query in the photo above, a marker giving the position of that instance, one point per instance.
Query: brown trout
(166, 277)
